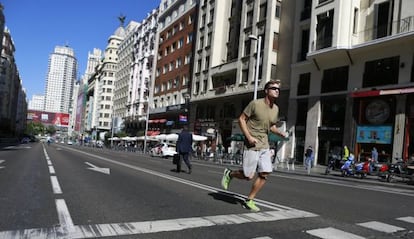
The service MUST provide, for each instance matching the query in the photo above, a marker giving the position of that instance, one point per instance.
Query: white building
(352, 79)
(134, 74)
(37, 102)
(124, 78)
(60, 80)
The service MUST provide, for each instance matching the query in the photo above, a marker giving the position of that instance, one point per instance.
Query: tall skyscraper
(37, 102)
(60, 80)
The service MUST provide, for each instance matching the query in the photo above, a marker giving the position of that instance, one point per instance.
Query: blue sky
(37, 26)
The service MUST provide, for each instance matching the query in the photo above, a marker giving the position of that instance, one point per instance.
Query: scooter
(362, 169)
(348, 168)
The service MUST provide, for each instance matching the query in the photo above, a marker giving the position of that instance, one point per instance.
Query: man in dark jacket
(184, 148)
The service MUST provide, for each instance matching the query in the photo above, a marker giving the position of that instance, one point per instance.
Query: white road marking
(51, 170)
(262, 238)
(1, 161)
(406, 219)
(332, 233)
(134, 228)
(55, 185)
(98, 169)
(46, 156)
(382, 227)
(65, 220)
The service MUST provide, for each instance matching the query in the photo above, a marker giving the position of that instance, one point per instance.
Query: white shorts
(256, 161)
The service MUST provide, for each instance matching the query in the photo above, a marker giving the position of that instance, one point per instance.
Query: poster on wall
(374, 134)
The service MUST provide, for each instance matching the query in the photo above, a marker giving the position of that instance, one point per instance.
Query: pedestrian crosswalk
(389, 230)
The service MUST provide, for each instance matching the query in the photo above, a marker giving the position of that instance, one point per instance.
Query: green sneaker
(225, 181)
(252, 206)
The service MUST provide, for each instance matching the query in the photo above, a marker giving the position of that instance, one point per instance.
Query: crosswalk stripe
(332, 233)
(406, 219)
(68, 230)
(382, 227)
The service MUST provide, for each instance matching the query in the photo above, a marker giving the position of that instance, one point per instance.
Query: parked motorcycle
(335, 162)
(402, 170)
(362, 169)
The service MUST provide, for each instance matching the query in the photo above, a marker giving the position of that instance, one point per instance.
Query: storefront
(383, 119)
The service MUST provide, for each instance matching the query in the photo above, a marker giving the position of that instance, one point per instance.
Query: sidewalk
(319, 171)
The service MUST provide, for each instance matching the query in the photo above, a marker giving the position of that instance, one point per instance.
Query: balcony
(395, 28)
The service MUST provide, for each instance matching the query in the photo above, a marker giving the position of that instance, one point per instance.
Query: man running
(257, 120)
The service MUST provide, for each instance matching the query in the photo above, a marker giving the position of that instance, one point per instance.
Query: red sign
(57, 119)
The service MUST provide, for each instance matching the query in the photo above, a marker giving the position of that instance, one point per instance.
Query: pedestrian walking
(184, 148)
(257, 120)
(309, 157)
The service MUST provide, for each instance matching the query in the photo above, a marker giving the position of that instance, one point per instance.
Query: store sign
(374, 134)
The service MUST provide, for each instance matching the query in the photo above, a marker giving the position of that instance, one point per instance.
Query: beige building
(101, 85)
(230, 35)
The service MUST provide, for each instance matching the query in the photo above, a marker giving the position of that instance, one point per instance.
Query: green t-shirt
(261, 118)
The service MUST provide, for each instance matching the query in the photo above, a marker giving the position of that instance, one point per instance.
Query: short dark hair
(271, 82)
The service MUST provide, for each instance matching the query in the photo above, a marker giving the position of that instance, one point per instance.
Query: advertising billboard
(49, 118)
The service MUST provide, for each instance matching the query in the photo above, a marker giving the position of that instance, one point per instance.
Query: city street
(69, 191)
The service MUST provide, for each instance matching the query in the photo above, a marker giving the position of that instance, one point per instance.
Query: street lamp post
(146, 128)
(187, 107)
(112, 133)
(256, 76)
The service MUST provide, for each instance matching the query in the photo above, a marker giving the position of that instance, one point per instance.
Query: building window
(249, 19)
(304, 84)
(278, 9)
(263, 11)
(304, 45)
(275, 41)
(355, 23)
(381, 72)
(301, 112)
(335, 79)
(207, 63)
(273, 72)
(247, 47)
(324, 30)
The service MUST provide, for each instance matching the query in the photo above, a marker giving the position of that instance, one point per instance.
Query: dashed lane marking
(55, 185)
(52, 170)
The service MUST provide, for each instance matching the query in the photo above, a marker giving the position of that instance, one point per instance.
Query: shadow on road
(227, 197)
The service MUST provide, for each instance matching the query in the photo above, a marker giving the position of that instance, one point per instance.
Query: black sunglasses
(274, 88)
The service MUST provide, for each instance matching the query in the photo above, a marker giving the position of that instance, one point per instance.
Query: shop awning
(155, 121)
(153, 133)
(371, 93)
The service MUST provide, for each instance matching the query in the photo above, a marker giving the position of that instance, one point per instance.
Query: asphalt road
(62, 191)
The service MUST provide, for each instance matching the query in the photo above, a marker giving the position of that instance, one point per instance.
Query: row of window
(175, 46)
(171, 84)
(376, 73)
(175, 29)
